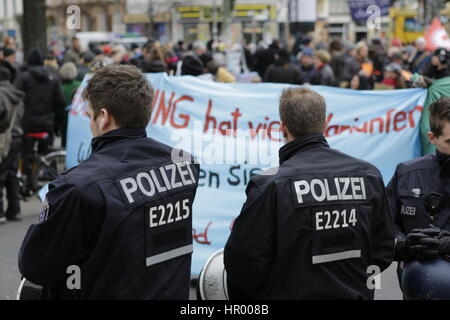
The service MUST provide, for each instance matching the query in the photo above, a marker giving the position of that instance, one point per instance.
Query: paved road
(11, 235)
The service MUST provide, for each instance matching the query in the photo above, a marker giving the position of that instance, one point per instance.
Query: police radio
(433, 203)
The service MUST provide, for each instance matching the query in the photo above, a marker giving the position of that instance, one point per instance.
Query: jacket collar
(303, 143)
(112, 136)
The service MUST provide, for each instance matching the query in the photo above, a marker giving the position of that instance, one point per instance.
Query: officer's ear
(284, 130)
(431, 137)
(104, 119)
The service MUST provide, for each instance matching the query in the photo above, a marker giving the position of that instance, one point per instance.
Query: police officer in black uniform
(123, 217)
(419, 195)
(316, 227)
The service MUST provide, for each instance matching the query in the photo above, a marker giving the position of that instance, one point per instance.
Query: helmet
(427, 280)
(442, 55)
(212, 281)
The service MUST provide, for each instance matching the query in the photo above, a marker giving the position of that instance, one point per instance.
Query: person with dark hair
(378, 55)
(437, 67)
(180, 49)
(337, 61)
(266, 57)
(124, 215)
(9, 62)
(192, 66)
(312, 227)
(43, 99)
(73, 54)
(85, 64)
(359, 82)
(51, 63)
(282, 71)
(11, 109)
(418, 196)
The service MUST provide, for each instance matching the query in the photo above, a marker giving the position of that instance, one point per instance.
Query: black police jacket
(123, 217)
(311, 228)
(413, 183)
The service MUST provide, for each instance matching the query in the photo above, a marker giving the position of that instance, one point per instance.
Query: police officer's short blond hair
(303, 111)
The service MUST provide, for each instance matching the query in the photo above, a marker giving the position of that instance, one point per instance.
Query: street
(11, 235)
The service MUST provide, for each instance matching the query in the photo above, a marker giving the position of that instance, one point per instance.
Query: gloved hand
(408, 250)
(443, 239)
(424, 242)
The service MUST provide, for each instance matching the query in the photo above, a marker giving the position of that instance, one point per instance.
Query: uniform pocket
(412, 212)
(335, 233)
(168, 228)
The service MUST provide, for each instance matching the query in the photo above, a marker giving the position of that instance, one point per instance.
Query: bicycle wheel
(53, 164)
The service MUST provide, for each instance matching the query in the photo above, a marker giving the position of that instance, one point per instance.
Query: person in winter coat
(265, 57)
(360, 64)
(73, 54)
(419, 57)
(43, 99)
(154, 61)
(11, 104)
(85, 65)
(9, 62)
(325, 75)
(437, 67)
(306, 66)
(282, 71)
(337, 62)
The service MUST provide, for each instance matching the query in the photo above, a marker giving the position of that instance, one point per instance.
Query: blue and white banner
(233, 131)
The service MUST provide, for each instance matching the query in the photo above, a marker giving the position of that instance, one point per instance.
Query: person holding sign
(316, 227)
(119, 225)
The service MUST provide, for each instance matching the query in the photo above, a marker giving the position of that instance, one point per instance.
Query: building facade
(190, 20)
(10, 18)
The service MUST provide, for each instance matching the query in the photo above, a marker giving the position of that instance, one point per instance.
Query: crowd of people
(41, 90)
(360, 66)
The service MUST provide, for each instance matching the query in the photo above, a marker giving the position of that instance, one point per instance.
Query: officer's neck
(288, 137)
(111, 126)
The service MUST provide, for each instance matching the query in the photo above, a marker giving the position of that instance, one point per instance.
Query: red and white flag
(437, 36)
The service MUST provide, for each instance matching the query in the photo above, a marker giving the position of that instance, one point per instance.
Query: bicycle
(44, 169)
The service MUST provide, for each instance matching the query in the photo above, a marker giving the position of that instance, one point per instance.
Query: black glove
(424, 243)
(442, 237)
(435, 238)
(408, 250)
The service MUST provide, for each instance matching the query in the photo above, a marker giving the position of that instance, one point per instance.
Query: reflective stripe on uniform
(336, 256)
(169, 255)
